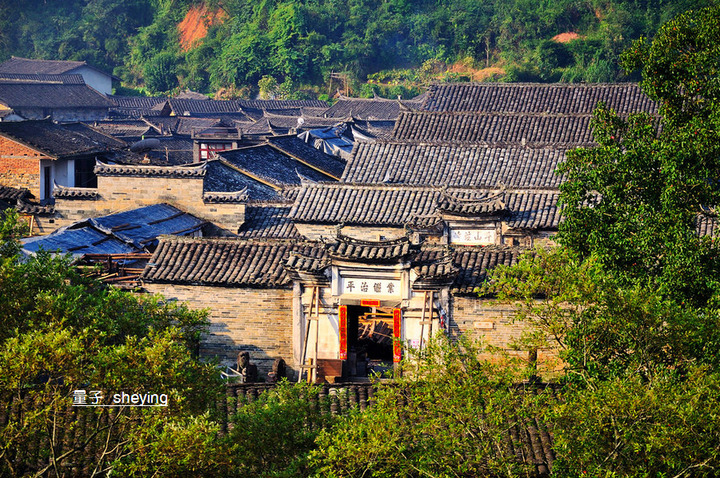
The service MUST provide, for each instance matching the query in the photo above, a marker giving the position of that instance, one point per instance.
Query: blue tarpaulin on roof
(122, 233)
(328, 140)
(85, 240)
(140, 227)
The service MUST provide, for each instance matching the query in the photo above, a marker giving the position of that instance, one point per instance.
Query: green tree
(161, 73)
(634, 201)
(61, 331)
(452, 414)
(629, 427)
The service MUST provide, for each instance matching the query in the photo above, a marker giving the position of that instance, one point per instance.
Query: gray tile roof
(50, 95)
(348, 248)
(531, 129)
(129, 231)
(268, 221)
(149, 171)
(224, 262)
(434, 268)
(85, 240)
(141, 102)
(140, 227)
(66, 192)
(184, 107)
(454, 165)
(133, 128)
(270, 165)
(465, 267)
(367, 108)
(567, 98)
(221, 178)
(397, 206)
(60, 140)
(270, 263)
(123, 112)
(372, 129)
(173, 150)
(71, 79)
(299, 149)
(493, 205)
(47, 67)
(8, 193)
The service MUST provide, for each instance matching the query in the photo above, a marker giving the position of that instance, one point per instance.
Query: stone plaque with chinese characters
(370, 287)
(473, 237)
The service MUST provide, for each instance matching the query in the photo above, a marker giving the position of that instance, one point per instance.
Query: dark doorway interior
(47, 183)
(85, 173)
(370, 341)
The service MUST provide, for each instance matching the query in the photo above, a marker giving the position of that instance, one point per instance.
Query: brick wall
(256, 320)
(19, 166)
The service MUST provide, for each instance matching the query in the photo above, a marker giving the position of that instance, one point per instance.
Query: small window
(206, 148)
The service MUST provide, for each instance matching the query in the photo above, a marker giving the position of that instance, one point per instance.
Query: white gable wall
(98, 80)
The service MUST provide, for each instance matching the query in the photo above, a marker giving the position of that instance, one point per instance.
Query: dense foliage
(301, 43)
(61, 331)
(630, 298)
(451, 414)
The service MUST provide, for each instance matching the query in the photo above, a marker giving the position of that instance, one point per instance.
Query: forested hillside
(384, 46)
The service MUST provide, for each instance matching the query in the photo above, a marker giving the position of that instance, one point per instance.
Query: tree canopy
(303, 42)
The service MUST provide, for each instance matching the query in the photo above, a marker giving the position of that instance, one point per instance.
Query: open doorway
(370, 341)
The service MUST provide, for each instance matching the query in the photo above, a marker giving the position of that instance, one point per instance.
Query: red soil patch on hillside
(566, 37)
(195, 25)
(480, 74)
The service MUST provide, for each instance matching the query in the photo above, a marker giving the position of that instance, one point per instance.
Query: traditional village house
(36, 155)
(93, 77)
(60, 101)
(328, 271)
(398, 247)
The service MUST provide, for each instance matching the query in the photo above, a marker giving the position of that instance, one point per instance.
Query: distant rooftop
(50, 95)
(56, 140)
(42, 67)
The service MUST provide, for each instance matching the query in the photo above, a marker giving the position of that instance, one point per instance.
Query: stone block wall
(493, 323)
(122, 193)
(255, 320)
(368, 233)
